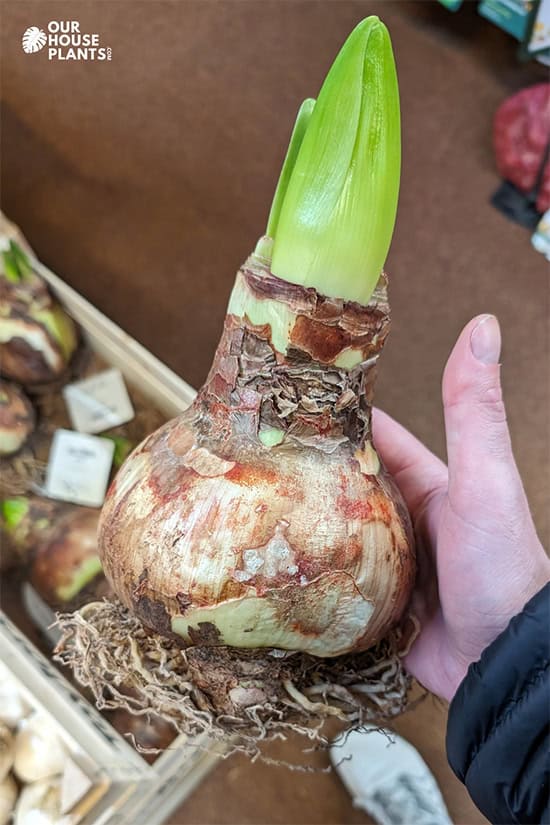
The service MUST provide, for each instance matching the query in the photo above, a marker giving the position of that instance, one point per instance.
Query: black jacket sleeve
(498, 728)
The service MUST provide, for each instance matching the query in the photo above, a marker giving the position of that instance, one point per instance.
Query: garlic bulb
(13, 707)
(38, 752)
(7, 750)
(8, 796)
(39, 804)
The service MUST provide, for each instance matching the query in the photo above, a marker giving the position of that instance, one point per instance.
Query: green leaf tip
(15, 263)
(13, 511)
(21, 259)
(302, 120)
(336, 219)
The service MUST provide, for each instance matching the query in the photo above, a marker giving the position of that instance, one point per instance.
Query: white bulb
(6, 750)
(38, 752)
(13, 708)
(8, 795)
(39, 804)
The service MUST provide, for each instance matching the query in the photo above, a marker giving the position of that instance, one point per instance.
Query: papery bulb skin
(262, 516)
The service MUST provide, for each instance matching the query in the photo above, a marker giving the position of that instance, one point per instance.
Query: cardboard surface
(145, 180)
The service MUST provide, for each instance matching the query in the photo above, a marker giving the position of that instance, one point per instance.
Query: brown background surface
(144, 182)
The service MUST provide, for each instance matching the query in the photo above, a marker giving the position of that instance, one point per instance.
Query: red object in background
(521, 133)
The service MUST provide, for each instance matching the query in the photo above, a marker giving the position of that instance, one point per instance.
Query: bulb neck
(294, 364)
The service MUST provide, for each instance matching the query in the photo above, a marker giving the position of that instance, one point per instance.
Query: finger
(482, 470)
(416, 470)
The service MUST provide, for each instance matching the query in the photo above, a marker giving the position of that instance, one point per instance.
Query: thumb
(482, 470)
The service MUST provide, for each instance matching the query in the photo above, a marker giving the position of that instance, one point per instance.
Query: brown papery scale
(262, 516)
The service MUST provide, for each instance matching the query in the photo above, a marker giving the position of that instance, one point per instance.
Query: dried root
(238, 698)
(21, 473)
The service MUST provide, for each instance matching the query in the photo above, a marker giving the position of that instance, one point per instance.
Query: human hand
(479, 556)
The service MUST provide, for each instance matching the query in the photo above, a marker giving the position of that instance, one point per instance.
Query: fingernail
(485, 340)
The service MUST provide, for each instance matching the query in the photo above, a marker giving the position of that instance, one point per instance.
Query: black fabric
(498, 729)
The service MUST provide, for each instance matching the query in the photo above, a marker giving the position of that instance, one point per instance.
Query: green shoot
(334, 217)
(13, 511)
(300, 126)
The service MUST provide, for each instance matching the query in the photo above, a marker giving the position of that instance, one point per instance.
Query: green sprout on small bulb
(13, 511)
(16, 265)
(334, 209)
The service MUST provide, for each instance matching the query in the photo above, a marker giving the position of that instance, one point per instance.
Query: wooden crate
(134, 792)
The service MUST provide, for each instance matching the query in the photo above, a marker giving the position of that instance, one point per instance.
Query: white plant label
(79, 467)
(98, 403)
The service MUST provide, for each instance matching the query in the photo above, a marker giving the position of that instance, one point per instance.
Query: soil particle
(205, 634)
(153, 614)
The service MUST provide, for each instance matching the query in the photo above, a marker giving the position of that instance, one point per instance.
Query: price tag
(79, 467)
(98, 403)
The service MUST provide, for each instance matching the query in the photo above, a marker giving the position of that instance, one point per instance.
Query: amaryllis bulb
(37, 337)
(17, 418)
(262, 516)
(57, 543)
(218, 535)
(66, 561)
